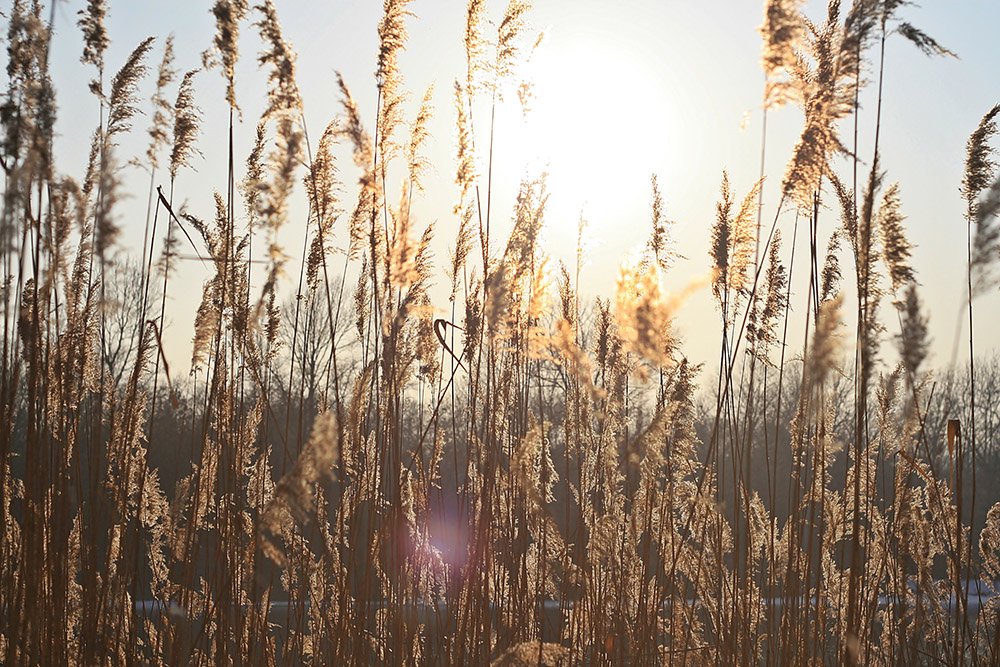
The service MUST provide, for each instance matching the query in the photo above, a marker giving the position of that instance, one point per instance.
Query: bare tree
(309, 340)
(123, 294)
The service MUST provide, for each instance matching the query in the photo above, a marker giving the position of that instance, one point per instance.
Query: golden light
(597, 123)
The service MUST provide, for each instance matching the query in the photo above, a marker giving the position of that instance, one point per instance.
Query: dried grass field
(388, 454)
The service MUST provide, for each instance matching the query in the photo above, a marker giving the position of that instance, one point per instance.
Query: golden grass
(555, 494)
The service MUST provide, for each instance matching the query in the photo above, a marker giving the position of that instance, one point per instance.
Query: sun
(597, 124)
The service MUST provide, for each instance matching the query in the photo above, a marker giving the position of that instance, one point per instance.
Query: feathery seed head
(354, 130)
(463, 244)
(733, 240)
(986, 242)
(475, 43)
(830, 277)
(283, 94)
(645, 314)
(660, 245)
(720, 239)
(122, 101)
(913, 340)
(322, 187)
(783, 31)
(825, 343)
(980, 163)
(465, 160)
(187, 119)
(105, 225)
(923, 41)
(392, 39)
(509, 48)
(95, 36)
(775, 299)
(417, 163)
(162, 111)
(895, 247)
(225, 45)
(250, 185)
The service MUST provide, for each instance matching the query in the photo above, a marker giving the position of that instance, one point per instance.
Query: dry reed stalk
(576, 475)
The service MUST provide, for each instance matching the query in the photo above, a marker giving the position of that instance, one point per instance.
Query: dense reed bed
(358, 474)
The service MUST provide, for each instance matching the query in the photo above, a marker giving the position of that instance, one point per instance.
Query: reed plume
(293, 496)
(831, 275)
(122, 99)
(417, 163)
(323, 189)
(465, 161)
(927, 44)
(980, 164)
(392, 41)
(187, 121)
(979, 189)
(105, 218)
(914, 341)
(645, 314)
(95, 39)
(162, 111)
(827, 90)
(363, 153)
(784, 31)
(475, 44)
(762, 333)
(732, 243)
(895, 247)
(509, 48)
(225, 47)
(283, 95)
(660, 244)
(822, 357)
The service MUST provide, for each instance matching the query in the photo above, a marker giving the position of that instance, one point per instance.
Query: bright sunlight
(592, 120)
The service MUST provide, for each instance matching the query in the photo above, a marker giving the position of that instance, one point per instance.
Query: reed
(532, 479)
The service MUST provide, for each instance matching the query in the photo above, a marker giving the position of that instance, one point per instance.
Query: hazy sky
(622, 90)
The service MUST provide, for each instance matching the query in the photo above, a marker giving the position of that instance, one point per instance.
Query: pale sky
(623, 90)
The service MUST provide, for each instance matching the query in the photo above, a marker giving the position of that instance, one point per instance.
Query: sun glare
(595, 124)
